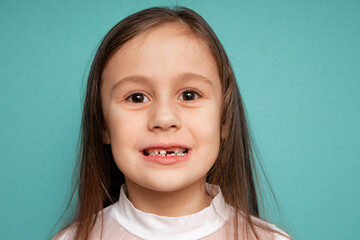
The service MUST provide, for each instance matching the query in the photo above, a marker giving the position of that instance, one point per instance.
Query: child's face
(162, 91)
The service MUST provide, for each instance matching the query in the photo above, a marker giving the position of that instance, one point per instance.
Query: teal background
(298, 68)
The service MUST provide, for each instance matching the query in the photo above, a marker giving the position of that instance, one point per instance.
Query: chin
(172, 184)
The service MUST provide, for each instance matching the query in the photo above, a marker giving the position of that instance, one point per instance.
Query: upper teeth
(153, 152)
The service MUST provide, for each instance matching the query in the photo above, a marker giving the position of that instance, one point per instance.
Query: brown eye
(189, 95)
(137, 98)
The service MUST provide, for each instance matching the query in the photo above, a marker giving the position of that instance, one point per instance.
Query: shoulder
(66, 234)
(279, 234)
(69, 232)
(271, 231)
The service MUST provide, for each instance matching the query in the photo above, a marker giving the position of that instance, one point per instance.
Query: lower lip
(167, 160)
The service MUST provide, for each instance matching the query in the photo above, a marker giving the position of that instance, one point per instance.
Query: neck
(176, 203)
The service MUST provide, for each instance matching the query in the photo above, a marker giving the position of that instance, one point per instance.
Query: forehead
(157, 36)
(170, 45)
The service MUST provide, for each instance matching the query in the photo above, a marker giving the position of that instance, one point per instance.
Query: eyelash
(199, 95)
(128, 98)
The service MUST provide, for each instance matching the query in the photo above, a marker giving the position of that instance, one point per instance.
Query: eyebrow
(184, 77)
(190, 76)
(130, 79)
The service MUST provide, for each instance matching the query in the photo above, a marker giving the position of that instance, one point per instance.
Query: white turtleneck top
(122, 221)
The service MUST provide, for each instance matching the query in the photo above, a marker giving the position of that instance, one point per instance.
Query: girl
(166, 151)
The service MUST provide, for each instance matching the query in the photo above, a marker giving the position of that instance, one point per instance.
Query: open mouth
(166, 152)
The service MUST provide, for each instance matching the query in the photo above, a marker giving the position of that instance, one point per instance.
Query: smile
(166, 152)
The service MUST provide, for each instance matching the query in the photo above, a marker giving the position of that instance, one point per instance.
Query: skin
(161, 67)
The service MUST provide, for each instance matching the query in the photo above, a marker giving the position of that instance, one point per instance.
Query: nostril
(159, 127)
(164, 121)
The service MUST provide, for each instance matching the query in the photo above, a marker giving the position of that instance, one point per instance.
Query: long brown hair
(99, 179)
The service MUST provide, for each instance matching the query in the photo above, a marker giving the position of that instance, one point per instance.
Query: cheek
(123, 127)
(204, 126)
(119, 126)
(204, 122)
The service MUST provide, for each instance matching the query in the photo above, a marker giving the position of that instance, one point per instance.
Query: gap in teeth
(177, 152)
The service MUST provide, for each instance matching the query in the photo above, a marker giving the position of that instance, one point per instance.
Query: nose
(164, 116)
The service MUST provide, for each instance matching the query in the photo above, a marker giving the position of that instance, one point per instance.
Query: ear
(106, 137)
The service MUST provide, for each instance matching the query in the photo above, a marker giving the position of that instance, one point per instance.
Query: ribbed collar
(194, 226)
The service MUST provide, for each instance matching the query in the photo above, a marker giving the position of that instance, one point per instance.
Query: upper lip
(165, 146)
